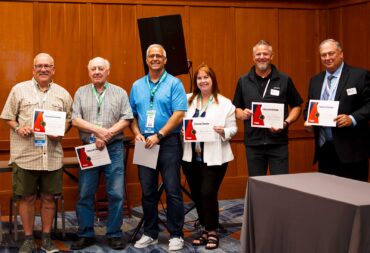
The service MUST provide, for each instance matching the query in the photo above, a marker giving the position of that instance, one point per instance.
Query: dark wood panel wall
(219, 33)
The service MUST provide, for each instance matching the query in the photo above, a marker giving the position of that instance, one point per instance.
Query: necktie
(325, 96)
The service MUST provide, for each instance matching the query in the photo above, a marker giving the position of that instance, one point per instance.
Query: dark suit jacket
(352, 144)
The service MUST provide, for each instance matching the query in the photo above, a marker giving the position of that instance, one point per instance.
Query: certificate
(147, 157)
(199, 130)
(267, 115)
(49, 122)
(89, 156)
(322, 113)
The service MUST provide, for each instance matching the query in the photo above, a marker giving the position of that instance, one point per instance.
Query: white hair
(105, 62)
(156, 45)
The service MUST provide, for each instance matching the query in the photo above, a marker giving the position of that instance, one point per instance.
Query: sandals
(213, 241)
(201, 240)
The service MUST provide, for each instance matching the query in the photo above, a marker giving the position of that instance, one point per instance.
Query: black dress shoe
(83, 242)
(116, 243)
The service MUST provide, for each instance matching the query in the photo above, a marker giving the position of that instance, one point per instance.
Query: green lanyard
(99, 97)
(155, 88)
(206, 106)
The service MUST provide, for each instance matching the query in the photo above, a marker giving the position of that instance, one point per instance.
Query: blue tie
(325, 96)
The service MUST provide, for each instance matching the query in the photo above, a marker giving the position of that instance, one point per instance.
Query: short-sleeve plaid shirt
(115, 107)
(22, 100)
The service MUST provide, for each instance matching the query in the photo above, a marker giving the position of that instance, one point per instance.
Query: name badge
(150, 119)
(92, 138)
(40, 140)
(351, 91)
(274, 92)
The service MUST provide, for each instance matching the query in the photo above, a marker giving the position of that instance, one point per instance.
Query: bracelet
(16, 128)
(287, 123)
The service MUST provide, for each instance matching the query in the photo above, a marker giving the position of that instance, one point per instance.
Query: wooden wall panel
(16, 49)
(356, 34)
(63, 34)
(115, 37)
(298, 40)
(212, 42)
(249, 29)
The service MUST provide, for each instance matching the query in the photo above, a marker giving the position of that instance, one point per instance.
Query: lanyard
(201, 109)
(267, 84)
(99, 97)
(39, 101)
(155, 88)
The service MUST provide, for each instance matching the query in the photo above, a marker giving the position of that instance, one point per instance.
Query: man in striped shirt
(101, 111)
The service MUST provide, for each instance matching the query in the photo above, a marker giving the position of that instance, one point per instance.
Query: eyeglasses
(45, 66)
(152, 56)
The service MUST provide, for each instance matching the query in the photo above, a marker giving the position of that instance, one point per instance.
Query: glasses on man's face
(158, 56)
(45, 66)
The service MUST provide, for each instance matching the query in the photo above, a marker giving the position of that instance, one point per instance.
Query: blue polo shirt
(169, 97)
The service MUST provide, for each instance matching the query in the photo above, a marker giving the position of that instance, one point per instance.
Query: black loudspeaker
(167, 31)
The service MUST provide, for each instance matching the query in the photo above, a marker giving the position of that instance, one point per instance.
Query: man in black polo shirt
(264, 83)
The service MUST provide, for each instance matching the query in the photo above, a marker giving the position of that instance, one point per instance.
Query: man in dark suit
(342, 150)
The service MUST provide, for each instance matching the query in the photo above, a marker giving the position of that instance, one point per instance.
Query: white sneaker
(176, 243)
(145, 241)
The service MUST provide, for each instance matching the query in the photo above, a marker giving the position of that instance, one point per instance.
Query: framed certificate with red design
(322, 112)
(89, 156)
(199, 130)
(267, 115)
(49, 122)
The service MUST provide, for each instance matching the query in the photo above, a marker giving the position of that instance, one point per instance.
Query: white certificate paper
(322, 112)
(145, 156)
(49, 122)
(267, 115)
(89, 156)
(199, 130)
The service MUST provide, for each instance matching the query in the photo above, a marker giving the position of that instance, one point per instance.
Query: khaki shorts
(30, 182)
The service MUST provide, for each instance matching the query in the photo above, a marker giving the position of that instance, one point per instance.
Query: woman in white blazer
(205, 163)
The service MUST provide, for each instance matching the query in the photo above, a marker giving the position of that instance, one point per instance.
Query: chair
(13, 208)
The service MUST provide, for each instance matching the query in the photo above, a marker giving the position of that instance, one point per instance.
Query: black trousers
(204, 182)
(272, 156)
(330, 163)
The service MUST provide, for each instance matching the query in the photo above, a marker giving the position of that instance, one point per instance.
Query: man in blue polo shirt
(158, 102)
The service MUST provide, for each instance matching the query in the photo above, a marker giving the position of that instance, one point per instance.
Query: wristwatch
(160, 135)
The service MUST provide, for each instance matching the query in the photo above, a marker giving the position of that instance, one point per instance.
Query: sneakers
(145, 241)
(48, 246)
(28, 246)
(176, 243)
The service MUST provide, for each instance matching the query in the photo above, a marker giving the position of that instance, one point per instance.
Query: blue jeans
(169, 161)
(88, 185)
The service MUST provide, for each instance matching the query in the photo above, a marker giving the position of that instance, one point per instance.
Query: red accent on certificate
(49, 122)
(322, 112)
(89, 156)
(267, 115)
(199, 130)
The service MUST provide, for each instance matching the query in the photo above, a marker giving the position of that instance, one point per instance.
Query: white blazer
(223, 113)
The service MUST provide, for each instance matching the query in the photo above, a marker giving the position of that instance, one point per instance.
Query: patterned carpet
(231, 212)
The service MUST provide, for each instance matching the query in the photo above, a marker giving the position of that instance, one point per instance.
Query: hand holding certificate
(199, 130)
(147, 157)
(267, 115)
(89, 156)
(49, 122)
(322, 113)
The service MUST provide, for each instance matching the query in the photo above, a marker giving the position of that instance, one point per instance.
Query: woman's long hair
(209, 71)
